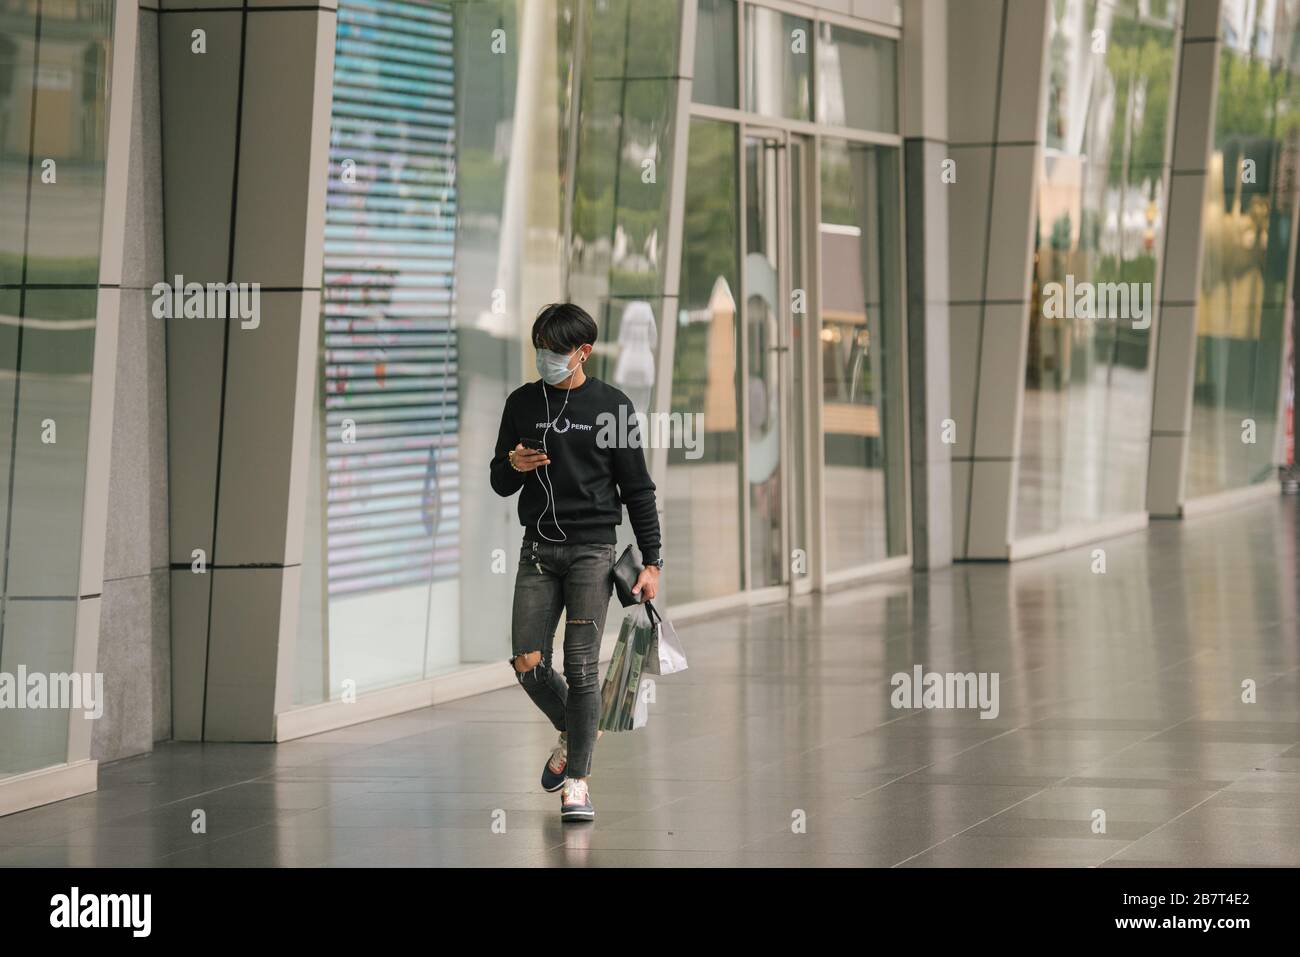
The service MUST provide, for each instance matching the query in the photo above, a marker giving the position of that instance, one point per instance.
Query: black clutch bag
(626, 571)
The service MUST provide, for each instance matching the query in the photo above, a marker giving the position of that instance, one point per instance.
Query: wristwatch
(657, 563)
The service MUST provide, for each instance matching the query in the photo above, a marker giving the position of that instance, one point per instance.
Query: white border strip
(58, 783)
(1076, 535)
(495, 675)
(1232, 498)
(848, 577)
(453, 685)
(331, 715)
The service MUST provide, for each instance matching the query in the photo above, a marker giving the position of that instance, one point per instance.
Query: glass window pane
(626, 356)
(633, 38)
(621, 200)
(1241, 314)
(715, 53)
(778, 63)
(17, 72)
(702, 494)
(39, 637)
(381, 535)
(1262, 29)
(856, 79)
(861, 337)
(10, 300)
(627, 353)
(53, 107)
(1085, 422)
(439, 248)
(55, 358)
(68, 142)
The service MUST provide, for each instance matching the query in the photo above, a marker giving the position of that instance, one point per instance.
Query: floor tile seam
(1041, 791)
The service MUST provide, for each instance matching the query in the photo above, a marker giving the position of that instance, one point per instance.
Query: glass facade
(778, 63)
(828, 277)
(821, 291)
(53, 112)
(716, 74)
(515, 151)
(447, 233)
(1085, 429)
(463, 196)
(385, 499)
(1243, 310)
(702, 510)
(621, 182)
(862, 360)
(487, 158)
(856, 79)
(464, 193)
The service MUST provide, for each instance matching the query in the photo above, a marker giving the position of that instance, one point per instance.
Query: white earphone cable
(547, 488)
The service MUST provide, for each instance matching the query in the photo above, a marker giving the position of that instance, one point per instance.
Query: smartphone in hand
(533, 445)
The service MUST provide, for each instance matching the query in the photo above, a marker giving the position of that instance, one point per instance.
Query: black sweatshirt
(591, 484)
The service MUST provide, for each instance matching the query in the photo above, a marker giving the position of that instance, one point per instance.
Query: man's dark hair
(562, 327)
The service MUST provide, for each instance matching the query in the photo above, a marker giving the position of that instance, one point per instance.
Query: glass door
(763, 284)
(776, 310)
(799, 358)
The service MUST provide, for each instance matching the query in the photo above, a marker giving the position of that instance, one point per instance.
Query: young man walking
(572, 493)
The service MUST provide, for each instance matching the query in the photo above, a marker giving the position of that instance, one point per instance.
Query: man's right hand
(526, 460)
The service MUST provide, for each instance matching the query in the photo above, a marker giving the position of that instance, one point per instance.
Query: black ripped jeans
(579, 579)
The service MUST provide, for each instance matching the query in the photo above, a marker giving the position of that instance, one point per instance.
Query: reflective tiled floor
(1119, 694)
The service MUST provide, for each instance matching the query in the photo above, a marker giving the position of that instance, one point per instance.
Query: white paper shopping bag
(666, 655)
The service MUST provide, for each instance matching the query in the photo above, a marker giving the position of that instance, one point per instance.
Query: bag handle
(652, 611)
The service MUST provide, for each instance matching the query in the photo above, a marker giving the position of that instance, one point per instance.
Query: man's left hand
(647, 583)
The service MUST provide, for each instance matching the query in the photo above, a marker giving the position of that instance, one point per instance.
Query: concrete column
(925, 147)
(94, 517)
(134, 637)
(996, 98)
(1180, 261)
(245, 127)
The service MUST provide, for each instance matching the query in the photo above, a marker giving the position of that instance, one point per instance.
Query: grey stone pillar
(134, 638)
(95, 507)
(925, 147)
(245, 127)
(1180, 262)
(996, 59)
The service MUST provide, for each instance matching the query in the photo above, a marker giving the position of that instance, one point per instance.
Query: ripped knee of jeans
(526, 664)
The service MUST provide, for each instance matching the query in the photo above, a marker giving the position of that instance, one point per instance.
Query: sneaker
(553, 772)
(575, 802)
